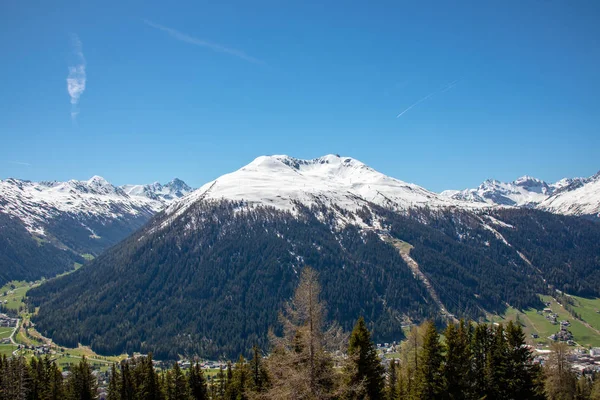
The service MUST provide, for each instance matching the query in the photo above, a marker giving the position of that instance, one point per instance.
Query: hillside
(218, 264)
(46, 226)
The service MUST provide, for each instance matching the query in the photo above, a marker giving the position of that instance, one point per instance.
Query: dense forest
(313, 359)
(209, 282)
(22, 257)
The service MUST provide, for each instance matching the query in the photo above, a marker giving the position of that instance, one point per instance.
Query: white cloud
(77, 78)
(204, 43)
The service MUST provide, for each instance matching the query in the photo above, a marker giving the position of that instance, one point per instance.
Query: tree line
(312, 359)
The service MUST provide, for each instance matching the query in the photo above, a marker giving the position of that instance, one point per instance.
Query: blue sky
(197, 89)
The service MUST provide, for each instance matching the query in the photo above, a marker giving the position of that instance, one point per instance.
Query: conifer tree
(149, 387)
(259, 377)
(177, 388)
(300, 365)
(237, 388)
(391, 392)
(127, 386)
(113, 384)
(81, 383)
(366, 369)
(496, 368)
(521, 373)
(457, 365)
(56, 385)
(429, 380)
(197, 383)
(480, 349)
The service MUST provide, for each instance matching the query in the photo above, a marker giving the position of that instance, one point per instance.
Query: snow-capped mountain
(156, 191)
(578, 197)
(525, 191)
(383, 248)
(35, 203)
(75, 217)
(569, 196)
(344, 183)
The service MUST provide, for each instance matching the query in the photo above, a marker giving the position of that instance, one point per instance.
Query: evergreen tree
(127, 388)
(197, 383)
(177, 387)
(392, 392)
(81, 383)
(56, 386)
(429, 380)
(457, 365)
(366, 373)
(521, 373)
(259, 379)
(113, 384)
(237, 388)
(480, 349)
(497, 363)
(149, 387)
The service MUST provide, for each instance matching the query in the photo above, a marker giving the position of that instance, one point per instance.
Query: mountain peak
(281, 181)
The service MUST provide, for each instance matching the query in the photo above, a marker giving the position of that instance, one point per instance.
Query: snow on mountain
(524, 191)
(577, 197)
(164, 193)
(342, 182)
(569, 196)
(36, 203)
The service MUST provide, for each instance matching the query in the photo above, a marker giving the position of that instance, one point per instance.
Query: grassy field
(533, 322)
(5, 332)
(7, 349)
(14, 293)
(588, 310)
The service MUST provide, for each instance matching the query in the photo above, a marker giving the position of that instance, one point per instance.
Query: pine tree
(457, 365)
(149, 387)
(392, 392)
(365, 374)
(496, 368)
(113, 384)
(237, 388)
(127, 388)
(259, 379)
(82, 384)
(177, 387)
(480, 349)
(197, 383)
(429, 380)
(56, 386)
(520, 372)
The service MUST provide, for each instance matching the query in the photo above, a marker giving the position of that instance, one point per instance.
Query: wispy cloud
(77, 78)
(204, 43)
(444, 89)
(26, 164)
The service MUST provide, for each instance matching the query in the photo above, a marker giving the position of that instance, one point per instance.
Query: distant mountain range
(208, 274)
(75, 217)
(568, 196)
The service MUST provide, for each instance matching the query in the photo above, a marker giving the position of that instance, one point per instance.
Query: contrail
(204, 43)
(445, 89)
